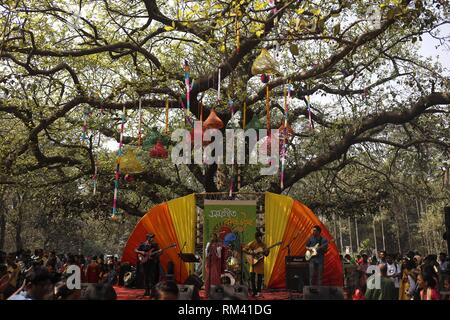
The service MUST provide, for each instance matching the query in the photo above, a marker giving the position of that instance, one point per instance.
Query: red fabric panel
(300, 224)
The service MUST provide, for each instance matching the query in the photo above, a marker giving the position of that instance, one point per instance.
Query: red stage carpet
(138, 294)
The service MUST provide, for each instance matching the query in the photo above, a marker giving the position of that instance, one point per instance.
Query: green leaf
(336, 29)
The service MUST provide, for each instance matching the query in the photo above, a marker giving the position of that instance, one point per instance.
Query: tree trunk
(382, 234)
(374, 234)
(350, 234)
(357, 235)
(340, 233)
(2, 229)
(407, 229)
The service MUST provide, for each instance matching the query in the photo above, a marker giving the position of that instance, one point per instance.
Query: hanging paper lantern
(159, 151)
(130, 164)
(265, 78)
(264, 63)
(213, 121)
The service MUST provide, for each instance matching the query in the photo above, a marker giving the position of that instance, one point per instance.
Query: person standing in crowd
(386, 291)
(408, 279)
(93, 271)
(394, 272)
(443, 263)
(38, 286)
(317, 262)
(427, 287)
(149, 255)
(254, 249)
(381, 257)
(214, 262)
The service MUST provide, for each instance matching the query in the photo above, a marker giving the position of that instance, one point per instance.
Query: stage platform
(138, 294)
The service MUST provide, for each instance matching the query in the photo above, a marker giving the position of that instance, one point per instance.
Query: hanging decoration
(285, 131)
(308, 106)
(159, 151)
(264, 64)
(140, 123)
(238, 28)
(86, 115)
(94, 178)
(244, 115)
(213, 121)
(117, 173)
(268, 110)
(167, 116)
(188, 87)
(130, 164)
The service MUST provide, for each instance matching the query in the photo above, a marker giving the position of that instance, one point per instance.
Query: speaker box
(185, 292)
(226, 292)
(323, 293)
(297, 273)
(236, 292)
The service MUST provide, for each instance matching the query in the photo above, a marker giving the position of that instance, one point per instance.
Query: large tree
(371, 94)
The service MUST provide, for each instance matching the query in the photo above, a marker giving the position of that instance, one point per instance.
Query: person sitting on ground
(167, 290)
(38, 286)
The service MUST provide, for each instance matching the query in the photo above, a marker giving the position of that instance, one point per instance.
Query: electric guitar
(143, 258)
(254, 256)
(311, 252)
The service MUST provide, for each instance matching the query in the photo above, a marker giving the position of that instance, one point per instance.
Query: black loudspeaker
(226, 292)
(185, 292)
(297, 273)
(216, 292)
(323, 293)
(236, 292)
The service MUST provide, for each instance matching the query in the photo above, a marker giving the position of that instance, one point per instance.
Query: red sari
(214, 265)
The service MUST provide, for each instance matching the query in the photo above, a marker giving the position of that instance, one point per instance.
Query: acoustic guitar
(143, 258)
(254, 256)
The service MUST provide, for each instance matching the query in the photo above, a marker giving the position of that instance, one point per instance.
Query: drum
(233, 264)
(228, 278)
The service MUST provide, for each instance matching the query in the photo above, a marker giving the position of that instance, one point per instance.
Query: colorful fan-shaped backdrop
(285, 219)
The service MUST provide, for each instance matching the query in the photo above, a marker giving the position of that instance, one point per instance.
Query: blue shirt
(320, 253)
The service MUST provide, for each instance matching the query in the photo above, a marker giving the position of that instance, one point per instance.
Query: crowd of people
(386, 276)
(382, 276)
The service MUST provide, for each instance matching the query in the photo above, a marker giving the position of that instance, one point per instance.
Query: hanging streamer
(84, 136)
(287, 98)
(94, 178)
(117, 173)
(188, 88)
(140, 123)
(244, 115)
(167, 115)
(238, 31)
(308, 105)
(268, 109)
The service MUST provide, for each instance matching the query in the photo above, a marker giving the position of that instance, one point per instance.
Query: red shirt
(92, 273)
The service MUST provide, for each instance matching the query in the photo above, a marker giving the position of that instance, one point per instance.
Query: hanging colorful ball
(265, 78)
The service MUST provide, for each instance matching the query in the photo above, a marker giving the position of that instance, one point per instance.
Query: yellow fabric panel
(184, 217)
(278, 209)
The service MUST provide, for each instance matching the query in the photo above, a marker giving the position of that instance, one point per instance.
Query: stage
(138, 294)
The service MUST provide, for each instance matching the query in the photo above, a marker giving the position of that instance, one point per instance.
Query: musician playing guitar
(148, 252)
(257, 270)
(316, 248)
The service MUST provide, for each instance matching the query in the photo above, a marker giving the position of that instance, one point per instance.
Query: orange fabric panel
(158, 221)
(300, 224)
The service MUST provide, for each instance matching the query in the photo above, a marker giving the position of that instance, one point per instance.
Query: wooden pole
(374, 235)
(357, 235)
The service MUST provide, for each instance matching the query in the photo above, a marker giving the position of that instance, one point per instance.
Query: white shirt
(393, 269)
